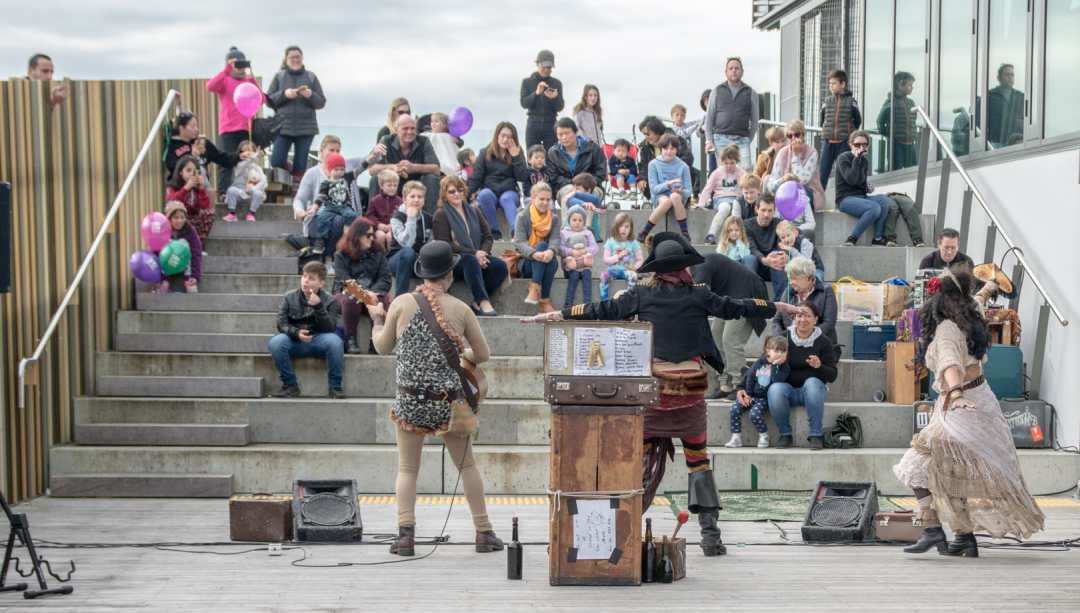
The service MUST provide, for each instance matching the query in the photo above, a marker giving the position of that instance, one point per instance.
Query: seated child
(804, 220)
(790, 242)
(382, 206)
(772, 367)
(669, 187)
(622, 168)
(537, 160)
(187, 281)
(584, 192)
(466, 160)
(733, 243)
(248, 182)
(336, 210)
(903, 205)
(722, 188)
(306, 324)
(777, 138)
(622, 254)
(743, 206)
(579, 248)
(446, 145)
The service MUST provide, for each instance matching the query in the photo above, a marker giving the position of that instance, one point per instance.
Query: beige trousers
(410, 446)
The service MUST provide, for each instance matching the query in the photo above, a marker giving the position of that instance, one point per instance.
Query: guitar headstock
(357, 292)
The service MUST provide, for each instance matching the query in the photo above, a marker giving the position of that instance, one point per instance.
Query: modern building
(997, 79)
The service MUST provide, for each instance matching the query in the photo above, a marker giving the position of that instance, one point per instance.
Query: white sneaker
(763, 440)
(329, 269)
(736, 441)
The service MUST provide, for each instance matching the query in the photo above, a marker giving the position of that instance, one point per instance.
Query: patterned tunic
(422, 364)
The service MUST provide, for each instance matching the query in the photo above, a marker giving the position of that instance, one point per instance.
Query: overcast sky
(644, 56)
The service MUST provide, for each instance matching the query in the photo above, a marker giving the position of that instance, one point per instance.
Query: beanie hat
(173, 206)
(577, 209)
(335, 160)
(235, 54)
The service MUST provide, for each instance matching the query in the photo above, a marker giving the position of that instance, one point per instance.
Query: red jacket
(192, 199)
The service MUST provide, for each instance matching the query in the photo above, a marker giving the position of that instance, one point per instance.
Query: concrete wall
(1037, 200)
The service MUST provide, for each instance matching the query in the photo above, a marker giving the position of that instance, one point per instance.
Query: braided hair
(953, 302)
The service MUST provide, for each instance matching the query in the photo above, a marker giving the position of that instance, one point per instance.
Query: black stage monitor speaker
(326, 510)
(5, 237)
(841, 511)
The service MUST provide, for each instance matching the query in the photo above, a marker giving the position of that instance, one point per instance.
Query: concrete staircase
(180, 410)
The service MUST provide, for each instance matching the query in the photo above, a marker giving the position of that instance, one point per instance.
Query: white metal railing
(58, 315)
(996, 224)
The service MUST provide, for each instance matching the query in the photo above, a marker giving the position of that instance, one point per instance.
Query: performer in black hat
(678, 310)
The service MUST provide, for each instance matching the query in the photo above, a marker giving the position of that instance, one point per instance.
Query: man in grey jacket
(732, 116)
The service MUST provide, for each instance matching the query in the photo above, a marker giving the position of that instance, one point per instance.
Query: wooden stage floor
(763, 574)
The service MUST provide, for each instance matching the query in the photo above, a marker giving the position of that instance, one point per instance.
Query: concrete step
(833, 228)
(259, 229)
(249, 265)
(191, 374)
(179, 385)
(139, 485)
(269, 211)
(507, 469)
(362, 421)
(161, 434)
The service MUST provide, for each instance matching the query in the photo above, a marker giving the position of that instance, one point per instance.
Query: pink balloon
(248, 99)
(156, 231)
(787, 200)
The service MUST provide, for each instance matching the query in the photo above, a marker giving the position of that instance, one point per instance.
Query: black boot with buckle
(963, 545)
(705, 502)
(405, 543)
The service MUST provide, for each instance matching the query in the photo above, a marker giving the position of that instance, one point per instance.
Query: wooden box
(595, 449)
(599, 363)
(263, 518)
(901, 384)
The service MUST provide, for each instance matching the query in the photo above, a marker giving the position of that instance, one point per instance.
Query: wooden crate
(901, 384)
(593, 449)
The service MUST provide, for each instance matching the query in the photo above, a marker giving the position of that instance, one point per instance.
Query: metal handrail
(783, 124)
(55, 321)
(1018, 252)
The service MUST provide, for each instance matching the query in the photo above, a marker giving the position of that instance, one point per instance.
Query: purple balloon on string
(788, 203)
(145, 267)
(460, 121)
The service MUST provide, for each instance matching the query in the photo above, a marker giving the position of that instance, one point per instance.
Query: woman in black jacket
(185, 132)
(542, 99)
(295, 93)
(495, 177)
(813, 360)
(359, 259)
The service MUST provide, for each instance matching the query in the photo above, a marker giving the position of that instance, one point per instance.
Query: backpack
(846, 434)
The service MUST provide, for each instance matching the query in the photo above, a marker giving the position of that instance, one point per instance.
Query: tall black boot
(931, 538)
(963, 545)
(705, 502)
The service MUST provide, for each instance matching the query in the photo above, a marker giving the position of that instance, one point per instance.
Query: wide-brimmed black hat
(670, 252)
(436, 260)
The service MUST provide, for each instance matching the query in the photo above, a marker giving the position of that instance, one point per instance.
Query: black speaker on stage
(5, 237)
(841, 511)
(326, 510)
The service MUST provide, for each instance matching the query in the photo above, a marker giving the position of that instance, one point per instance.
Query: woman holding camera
(232, 125)
(295, 94)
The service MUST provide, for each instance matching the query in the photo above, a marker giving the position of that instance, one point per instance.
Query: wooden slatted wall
(65, 164)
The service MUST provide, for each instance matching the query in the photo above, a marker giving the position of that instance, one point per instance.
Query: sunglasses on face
(859, 145)
(369, 235)
(795, 135)
(404, 112)
(451, 191)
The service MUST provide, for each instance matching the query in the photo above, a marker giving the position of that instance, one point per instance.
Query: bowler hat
(670, 252)
(436, 260)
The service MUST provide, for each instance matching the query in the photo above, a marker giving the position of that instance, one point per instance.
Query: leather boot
(405, 543)
(534, 293)
(486, 542)
(705, 502)
(963, 545)
(932, 537)
(546, 306)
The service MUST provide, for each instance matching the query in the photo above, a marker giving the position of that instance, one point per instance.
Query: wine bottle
(648, 554)
(514, 555)
(665, 570)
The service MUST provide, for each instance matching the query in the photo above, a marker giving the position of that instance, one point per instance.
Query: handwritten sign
(632, 351)
(558, 349)
(594, 352)
(594, 529)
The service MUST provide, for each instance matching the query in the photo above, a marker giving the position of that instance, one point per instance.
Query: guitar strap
(449, 349)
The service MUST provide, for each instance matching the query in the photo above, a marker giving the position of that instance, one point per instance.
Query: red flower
(933, 286)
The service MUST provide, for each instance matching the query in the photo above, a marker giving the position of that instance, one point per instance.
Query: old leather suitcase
(606, 363)
(900, 527)
(901, 384)
(263, 518)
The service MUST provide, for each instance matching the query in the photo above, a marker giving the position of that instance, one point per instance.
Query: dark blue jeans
(829, 153)
(489, 204)
(326, 345)
(482, 282)
(301, 146)
(868, 210)
(573, 277)
(540, 272)
(777, 277)
(329, 224)
(401, 266)
(782, 397)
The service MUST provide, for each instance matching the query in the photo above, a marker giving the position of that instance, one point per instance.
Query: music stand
(20, 528)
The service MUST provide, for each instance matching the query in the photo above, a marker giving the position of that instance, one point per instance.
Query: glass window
(1062, 58)
(1006, 65)
(877, 76)
(897, 116)
(955, 73)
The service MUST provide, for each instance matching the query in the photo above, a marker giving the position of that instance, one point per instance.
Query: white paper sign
(594, 529)
(558, 349)
(594, 352)
(632, 349)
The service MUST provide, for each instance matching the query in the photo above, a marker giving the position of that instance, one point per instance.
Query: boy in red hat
(336, 208)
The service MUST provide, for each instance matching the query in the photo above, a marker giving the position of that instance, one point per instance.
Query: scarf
(541, 225)
(804, 342)
(466, 232)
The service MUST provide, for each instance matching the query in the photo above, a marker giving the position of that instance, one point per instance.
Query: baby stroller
(632, 198)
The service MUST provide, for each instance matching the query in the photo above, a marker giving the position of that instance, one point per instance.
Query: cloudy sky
(643, 55)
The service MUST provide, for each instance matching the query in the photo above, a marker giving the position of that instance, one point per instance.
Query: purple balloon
(156, 231)
(787, 200)
(460, 121)
(144, 265)
(248, 99)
